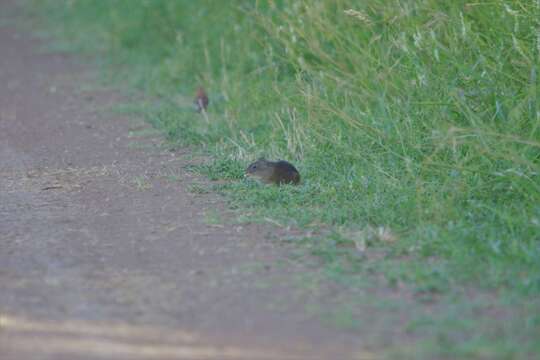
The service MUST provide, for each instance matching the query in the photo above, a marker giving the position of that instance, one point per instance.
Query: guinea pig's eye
(254, 166)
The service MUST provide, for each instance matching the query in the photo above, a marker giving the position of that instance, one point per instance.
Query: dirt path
(102, 255)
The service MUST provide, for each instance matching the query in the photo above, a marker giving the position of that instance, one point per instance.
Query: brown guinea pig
(273, 172)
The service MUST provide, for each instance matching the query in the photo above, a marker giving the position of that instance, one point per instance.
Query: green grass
(421, 117)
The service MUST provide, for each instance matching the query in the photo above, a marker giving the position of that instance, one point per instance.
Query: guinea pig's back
(286, 173)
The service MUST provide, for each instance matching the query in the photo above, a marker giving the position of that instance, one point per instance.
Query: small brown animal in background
(273, 172)
(201, 100)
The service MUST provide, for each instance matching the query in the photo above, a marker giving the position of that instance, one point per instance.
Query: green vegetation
(421, 117)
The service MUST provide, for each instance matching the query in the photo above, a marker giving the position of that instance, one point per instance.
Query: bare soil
(105, 253)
